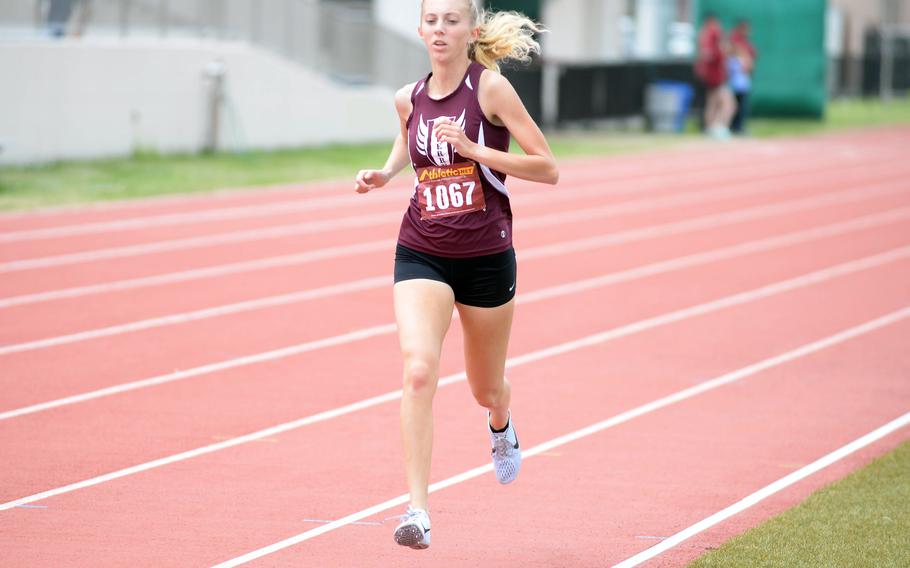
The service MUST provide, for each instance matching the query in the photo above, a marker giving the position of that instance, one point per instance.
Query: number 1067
(449, 196)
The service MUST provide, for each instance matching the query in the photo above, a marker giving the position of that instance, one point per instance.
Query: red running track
(123, 404)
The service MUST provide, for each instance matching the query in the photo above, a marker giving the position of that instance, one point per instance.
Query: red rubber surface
(592, 502)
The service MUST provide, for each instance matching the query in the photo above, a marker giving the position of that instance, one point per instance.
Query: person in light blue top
(740, 65)
(741, 84)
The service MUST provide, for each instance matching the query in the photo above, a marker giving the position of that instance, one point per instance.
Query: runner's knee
(489, 395)
(419, 376)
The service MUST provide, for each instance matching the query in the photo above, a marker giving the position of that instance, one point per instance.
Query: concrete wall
(18, 12)
(399, 56)
(398, 61)
(399, 16)
(93, 98)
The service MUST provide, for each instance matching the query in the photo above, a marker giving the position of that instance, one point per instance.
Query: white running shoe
(414, 530)
(506, 453)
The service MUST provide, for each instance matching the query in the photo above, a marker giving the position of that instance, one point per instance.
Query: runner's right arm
(398, 157)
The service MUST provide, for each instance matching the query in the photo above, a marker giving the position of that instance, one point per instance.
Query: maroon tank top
(472, 234)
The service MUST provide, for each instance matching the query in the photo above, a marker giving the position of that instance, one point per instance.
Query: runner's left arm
(502, 105)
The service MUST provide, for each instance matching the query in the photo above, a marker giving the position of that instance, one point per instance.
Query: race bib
(443, 191)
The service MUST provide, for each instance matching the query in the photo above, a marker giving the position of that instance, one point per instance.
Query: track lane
(71, 314)
(244, 511)
(85, 366)
(276, 391)
(201, 513)
(29, 379)
(23, 255)
(639, 479)
(782, 215)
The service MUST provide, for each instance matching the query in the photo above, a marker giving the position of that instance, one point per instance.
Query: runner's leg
(423, 311)
(486, 341)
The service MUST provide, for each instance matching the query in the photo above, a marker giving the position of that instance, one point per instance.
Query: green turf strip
(151, 174)
(862, 520)
(148, 174)
(852, 113)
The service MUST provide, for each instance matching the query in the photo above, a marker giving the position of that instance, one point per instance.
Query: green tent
(789, 35)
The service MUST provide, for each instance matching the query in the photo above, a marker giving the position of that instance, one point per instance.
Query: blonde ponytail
(503, 35)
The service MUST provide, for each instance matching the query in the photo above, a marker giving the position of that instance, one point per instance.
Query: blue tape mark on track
(32, 506)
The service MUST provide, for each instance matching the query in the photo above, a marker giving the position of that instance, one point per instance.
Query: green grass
(152, 174)
(149, 174)
(596, 143)
(860, 521)
(841, 115)
(845, 114)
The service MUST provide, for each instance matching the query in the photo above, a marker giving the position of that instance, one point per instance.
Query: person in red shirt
(710, 67)
(739, 37)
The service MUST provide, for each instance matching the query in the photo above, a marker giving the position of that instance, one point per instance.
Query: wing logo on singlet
(440, 153)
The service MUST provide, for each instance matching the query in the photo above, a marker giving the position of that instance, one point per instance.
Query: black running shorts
(484, 281)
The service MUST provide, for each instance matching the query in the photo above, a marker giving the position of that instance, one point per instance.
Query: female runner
(455, 243)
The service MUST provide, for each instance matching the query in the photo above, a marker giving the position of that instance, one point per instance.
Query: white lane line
(767, 491)
(681, 158)
(724, 253)
(512, 362)
(208, 215)
(200, 273)
(674, 398)
(276, 232)
(534, 253)
(345, 197)
(138, 205)
(293, 229)
(680, 163)
(392, 194)
(610, 210)
(717, 220)
(206, 313)
(346, 250)
(750, 187)
(273, 355)
(530, 297)
(853, 194)
(543, 220)
(334, 252)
